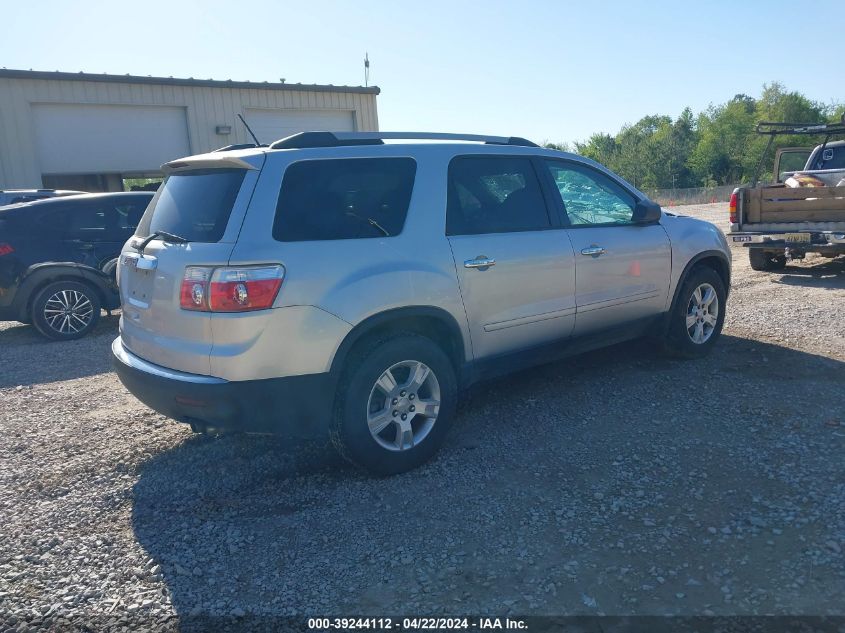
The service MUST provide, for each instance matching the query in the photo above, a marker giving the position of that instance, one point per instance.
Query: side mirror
(646, 212)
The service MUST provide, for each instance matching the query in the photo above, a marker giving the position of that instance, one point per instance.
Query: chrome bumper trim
(130, 360)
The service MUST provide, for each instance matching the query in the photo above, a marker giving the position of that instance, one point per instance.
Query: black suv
(58, 259)
(14, 196)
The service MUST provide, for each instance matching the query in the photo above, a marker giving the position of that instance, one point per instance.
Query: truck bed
(778, 204)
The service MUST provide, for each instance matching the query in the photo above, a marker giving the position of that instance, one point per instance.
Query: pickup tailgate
(779, 205)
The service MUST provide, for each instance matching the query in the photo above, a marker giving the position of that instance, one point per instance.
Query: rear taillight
(194, 292)
(239, 289)
(247, 288)
(732, 208)
(5, 249)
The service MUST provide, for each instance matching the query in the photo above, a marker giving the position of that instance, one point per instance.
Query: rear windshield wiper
(168, 237)
(372, 222)
(369, 221)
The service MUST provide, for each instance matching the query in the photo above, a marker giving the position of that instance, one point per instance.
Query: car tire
(378, 423)
(766, 260)
(697, 317)
(66, 310)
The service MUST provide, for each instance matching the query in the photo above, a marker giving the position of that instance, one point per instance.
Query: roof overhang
(176, 81)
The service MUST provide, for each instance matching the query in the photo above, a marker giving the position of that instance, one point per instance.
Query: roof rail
(337, 139)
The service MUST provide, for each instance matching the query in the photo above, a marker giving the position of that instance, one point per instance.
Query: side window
(494, 194)
(129, 215)
(791, 162)
(590, 197)
(87, 222)
(342, 199)
(92, 223)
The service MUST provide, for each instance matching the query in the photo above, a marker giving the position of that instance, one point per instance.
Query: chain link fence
(695, 195)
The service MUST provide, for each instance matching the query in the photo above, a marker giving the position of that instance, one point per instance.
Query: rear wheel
(766, 260)
(66, 310)
(395, 404)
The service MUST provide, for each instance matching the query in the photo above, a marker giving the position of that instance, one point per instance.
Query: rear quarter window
(837, 158)
(341, 199)
(195, 204)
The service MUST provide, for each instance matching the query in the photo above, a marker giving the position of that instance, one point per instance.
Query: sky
(543, 69)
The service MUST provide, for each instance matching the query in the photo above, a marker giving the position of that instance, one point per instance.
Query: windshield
(194, 205)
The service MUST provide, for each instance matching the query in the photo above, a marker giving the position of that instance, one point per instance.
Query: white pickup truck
(803, 210)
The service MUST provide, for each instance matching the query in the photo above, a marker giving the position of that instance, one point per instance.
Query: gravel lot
(618, 483)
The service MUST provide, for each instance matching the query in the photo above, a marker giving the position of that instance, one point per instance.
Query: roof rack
(338, 139)
(769, 128)
(776, 128)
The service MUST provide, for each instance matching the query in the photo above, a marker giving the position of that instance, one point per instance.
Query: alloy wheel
(403, 405)
(68, 311)
(702, 313)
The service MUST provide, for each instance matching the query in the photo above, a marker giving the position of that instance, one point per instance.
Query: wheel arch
(716, 261)
(41, 275)
(432, 322)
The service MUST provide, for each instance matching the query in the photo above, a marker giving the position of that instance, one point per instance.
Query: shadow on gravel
(30, 359)
(827, 274)
(594, 483)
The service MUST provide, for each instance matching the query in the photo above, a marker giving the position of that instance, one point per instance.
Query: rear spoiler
(214, 161)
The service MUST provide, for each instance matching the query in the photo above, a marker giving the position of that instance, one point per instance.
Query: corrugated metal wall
(207, 107)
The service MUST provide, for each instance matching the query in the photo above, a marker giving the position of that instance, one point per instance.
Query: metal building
(89, 132)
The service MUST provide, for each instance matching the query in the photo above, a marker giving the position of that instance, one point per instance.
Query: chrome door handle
(480, 262)
(593, 251)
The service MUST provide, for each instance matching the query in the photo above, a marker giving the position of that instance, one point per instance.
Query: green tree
(599, 147)
(721, 153)
(717, 147)
(682, 142)
(776, 104)
(561, 147)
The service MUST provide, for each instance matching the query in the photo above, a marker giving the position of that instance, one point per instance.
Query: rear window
(195, 205)
(342, 199)
(834, 158)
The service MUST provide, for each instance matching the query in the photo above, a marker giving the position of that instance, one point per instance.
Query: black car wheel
(766, 260)
(66, 310)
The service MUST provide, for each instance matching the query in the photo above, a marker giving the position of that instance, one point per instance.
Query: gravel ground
(615, 483)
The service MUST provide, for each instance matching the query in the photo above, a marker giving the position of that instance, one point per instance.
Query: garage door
(84, 138)
(271, 125)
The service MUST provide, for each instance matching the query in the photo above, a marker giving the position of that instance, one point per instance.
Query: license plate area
(137, 279)
(140, 262)
(139, 287)
(800, 238)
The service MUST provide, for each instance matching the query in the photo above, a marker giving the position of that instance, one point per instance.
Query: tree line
(716, 147)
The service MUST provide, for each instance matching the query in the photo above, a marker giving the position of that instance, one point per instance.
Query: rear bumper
(294, 406)
(779, 239)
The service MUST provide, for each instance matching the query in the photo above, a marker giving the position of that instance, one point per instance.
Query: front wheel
(699, 313)
(395, 404)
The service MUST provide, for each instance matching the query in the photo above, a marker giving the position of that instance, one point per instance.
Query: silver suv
(336, 284)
